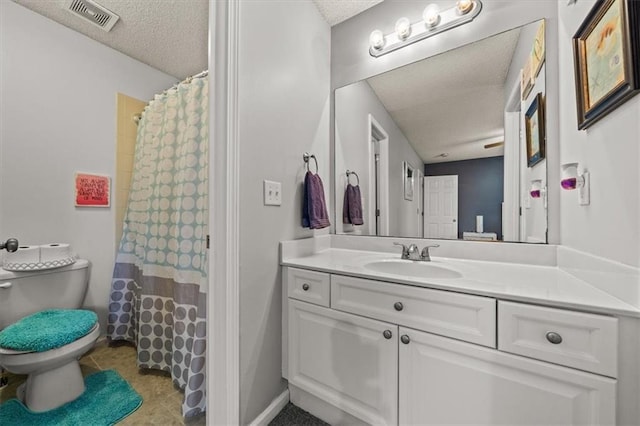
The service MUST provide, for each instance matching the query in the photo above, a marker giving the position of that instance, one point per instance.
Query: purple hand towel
(352, 209)
(314, 207)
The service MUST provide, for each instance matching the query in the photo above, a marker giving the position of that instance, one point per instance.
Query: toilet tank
(24, 293)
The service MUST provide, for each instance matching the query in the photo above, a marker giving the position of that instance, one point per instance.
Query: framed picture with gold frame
(606, 51)
(535, 131)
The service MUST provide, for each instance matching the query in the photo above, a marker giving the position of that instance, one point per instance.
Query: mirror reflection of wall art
(407, 179)
(606, 52)
(534, 124)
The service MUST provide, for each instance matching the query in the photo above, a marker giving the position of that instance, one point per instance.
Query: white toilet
(54, 376)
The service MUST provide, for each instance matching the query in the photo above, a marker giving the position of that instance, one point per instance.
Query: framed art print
(606, 52)
(535, 131)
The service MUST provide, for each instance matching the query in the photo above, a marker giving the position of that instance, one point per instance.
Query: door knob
(387, 334)
(398, 306)
(405, 339)
(305, 286)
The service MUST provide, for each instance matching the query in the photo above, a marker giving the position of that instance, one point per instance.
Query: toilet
(54, 376)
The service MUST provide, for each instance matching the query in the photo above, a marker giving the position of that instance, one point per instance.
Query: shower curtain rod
(137, 117)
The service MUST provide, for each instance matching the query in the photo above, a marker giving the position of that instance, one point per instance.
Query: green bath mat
(107, 399)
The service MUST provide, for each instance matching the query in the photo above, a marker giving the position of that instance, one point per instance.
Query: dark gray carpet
(292, 415)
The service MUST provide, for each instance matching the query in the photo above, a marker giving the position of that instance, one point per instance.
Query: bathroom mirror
(450, 131)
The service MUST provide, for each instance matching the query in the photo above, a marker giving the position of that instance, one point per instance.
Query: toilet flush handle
(5, 285)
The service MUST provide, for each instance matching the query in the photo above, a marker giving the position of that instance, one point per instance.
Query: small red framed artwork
(92, 190)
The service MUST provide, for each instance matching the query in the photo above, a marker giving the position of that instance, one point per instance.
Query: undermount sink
(411, 268)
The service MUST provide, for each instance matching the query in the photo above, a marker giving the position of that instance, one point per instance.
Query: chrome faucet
(413, 253)
(425, 252)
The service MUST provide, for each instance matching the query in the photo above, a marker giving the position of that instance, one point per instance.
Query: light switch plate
(272, 193)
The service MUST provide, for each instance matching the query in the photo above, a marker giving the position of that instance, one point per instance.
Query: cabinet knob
(405, 339)
(305, 286)
(554, 337)
(387, 334)
(398, 306)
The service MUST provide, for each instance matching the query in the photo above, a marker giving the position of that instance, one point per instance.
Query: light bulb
(431, 15)
(376, 39)
(464, 6)
(403, 28)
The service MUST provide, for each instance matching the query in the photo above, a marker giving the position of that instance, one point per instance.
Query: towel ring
(306, 157)
(356, 175)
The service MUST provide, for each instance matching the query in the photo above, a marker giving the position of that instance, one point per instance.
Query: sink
(411, 268)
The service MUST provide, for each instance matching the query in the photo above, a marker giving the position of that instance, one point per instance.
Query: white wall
(57, 114)
(283, 112)
(354, 103)
(610, 150)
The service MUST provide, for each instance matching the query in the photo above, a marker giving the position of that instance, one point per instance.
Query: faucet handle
(425, 251)
(405, 250)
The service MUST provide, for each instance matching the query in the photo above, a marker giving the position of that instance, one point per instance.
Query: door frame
(375, 131)
(223, 297)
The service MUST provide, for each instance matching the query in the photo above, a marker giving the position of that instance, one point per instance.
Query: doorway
(379, 177)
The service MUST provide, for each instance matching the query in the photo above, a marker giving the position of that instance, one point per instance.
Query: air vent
(92, 12)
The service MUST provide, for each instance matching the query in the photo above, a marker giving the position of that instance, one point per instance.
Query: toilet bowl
(54, 376)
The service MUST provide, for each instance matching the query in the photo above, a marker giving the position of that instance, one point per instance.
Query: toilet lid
(47, 330)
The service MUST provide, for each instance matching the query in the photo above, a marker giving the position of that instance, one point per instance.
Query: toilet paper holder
(10, 245)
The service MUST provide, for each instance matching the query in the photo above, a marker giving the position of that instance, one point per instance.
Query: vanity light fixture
(431, 15)
(403, 28)
(571, 180)
(434, 21)
(376, 40)
(464, 6)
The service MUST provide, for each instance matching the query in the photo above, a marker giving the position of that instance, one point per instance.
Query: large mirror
(448, 147)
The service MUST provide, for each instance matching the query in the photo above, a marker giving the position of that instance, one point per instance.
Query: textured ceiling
(336, 11)
(451, 103)
(169, 35)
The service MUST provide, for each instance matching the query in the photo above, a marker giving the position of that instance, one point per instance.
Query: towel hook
(306, 157)
(349, 172)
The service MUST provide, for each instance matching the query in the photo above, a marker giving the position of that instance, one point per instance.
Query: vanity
(370, 337)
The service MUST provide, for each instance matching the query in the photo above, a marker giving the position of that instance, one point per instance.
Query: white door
(348, 361)
(445, 381)
(441, 207)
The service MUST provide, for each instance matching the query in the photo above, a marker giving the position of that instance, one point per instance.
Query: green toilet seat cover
(47, 330)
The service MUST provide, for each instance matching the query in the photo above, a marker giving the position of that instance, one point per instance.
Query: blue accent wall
(480, 191)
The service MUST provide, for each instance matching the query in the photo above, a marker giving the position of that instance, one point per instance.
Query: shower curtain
(159, 285)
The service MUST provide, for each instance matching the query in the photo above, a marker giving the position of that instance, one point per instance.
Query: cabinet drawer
(460, 316)
(310, 286)
(584, 341)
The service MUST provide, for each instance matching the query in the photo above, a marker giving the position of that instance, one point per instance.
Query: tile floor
(162, 400)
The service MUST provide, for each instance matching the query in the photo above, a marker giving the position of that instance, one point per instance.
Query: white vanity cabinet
(390, 353)
(348, 361)
(446, 381)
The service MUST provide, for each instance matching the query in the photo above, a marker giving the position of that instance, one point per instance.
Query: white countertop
(543, 285)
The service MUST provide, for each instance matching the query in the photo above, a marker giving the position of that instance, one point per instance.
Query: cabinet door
(444, 381)
(346, 360)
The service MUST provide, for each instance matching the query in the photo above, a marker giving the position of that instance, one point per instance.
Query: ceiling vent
(92, 12)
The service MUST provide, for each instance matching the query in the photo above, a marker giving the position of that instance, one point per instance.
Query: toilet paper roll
(54, 251)
(24, 254)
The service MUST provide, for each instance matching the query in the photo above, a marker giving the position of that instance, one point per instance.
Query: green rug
(107, 399)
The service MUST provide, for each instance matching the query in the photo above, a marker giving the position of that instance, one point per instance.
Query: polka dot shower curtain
(159, 284)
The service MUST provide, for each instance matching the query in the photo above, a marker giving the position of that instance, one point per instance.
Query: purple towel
(314, 208)
(352, 209)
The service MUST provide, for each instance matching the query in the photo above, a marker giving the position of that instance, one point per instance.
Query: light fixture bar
(448, 19)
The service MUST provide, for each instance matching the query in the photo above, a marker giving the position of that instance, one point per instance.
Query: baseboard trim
(272, 410)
